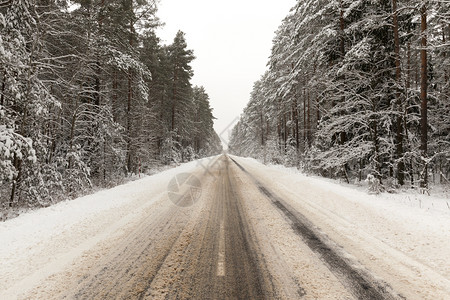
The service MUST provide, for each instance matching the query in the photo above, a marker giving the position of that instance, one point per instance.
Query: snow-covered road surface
(250, 232)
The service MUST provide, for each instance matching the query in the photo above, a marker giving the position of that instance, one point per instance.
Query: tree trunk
(262, 128)
(297, 137)
(408, 86)
(305, 134)
(130, 97)
(2, 96)
(444, 54)
(98, 72)
(377, 150)
(278, 136)
(343, 135)
(22, 132)
(408, 71)
(115, 96)
(18, 166)
(174, 92)
(423, 95)
(308, 122)
(72, 133)
(342, 27)
(399, 121)
(285, 133)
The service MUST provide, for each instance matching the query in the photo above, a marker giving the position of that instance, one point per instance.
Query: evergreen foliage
(89, 95)
(345, 89)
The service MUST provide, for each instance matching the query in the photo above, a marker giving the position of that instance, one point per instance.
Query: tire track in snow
(360, 283)
(175, 253)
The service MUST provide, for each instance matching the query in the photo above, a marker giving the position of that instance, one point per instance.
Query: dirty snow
(41, 243)
(403, 239)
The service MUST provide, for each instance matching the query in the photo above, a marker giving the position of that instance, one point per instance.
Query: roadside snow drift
(40, 243)
(403, 239)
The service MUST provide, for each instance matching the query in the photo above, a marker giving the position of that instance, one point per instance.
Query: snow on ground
(404, 238)
(293, 266)
(7, 213)
(39, 243)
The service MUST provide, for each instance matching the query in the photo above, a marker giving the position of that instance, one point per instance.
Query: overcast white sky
(231, 40)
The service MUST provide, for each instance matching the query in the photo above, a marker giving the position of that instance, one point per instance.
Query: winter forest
(89, 96)
(356, 90)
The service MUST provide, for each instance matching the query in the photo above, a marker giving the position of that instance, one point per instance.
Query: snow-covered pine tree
(180, 101)
(353, 68)
(27, 100)
(75, 101)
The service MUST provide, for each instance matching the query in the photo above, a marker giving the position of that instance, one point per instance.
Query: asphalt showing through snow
(200, 251)
(359, 282)
(206, 248)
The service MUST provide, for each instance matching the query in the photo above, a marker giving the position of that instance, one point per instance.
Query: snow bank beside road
(438, 201)
(407, 245)
(42, 242)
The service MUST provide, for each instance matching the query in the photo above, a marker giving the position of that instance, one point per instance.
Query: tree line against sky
(89, 95)
(356, 88)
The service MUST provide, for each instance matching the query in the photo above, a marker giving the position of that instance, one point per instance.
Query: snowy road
(202, 251)
(246, 231)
